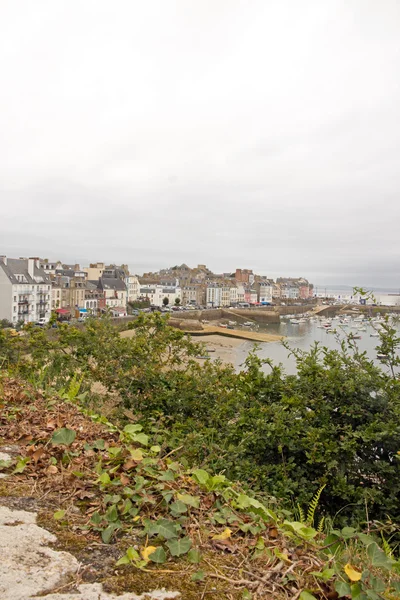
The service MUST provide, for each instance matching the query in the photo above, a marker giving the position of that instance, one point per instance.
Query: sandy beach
(224, 348)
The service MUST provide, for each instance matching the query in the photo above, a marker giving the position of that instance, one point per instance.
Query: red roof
(62, 311)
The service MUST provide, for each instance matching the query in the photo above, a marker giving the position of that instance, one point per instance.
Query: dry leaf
(223, 536)
(38, 453)
(351, 573)
(51, 470)
(124, 479)
(145, 552)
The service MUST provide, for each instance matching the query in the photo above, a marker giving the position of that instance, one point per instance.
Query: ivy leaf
(377, 557)
(137, 454)
(178, 507)
(108, 532)
(200, 476)
(63, 436)
(145, 552)
(306, 596)
(194, 556)
(112, 513)
(351, 573)
(158, 556)
(179, 546)
(193, 501)
(141, 438)
(132, 429)
(342, 588)
(167, 529)
(198, 576)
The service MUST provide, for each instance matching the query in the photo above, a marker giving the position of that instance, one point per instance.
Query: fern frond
(386, 547)
(302, 516)
(320, 527)
(74, 386)
(313, 505)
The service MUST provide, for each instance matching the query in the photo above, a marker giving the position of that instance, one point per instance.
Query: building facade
(25, 290)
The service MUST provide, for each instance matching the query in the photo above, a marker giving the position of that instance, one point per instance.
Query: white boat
(294, 321)
(376, 334)
(224, 325)
(248, 324)
(302, 320)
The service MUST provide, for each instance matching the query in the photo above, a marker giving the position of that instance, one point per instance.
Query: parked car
(41, 322)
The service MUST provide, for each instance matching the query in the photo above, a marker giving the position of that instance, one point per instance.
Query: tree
(177, 301)
(165, 301)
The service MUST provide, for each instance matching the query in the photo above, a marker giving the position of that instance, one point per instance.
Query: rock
(28, 567)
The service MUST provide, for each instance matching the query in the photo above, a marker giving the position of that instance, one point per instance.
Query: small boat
(381, 356)
(374, 334)
(203, 357)
(356, 337)
(231, 322)
(224, 325)
(230, 327)
(248, 324)
(331, 330)
(210, 349)
(302, 320)
(294, 321)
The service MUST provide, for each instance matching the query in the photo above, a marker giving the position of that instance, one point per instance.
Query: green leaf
(112, 513)
(306, 596)
(108, 532)
(21, 464)
(167, 476)
(377, 557)
(194, 556)
(178, 507)
(155, 449)
(198, 576)
(124, 560)
(325, 575)
(137, 454)
(158, 556)
(63, 436)
(348, 532)
(104, 478)
(132, 429)
(246, 595)
(58, 515)
(193, 501)
(99, 444)
(164, 527)
(141, 438)
(342, 588)
(365, 539)
(179, 546)
(96, 519)
(132, 554)
(200, 476)
(373, 595)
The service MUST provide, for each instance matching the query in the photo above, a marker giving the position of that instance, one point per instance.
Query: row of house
(31, 288)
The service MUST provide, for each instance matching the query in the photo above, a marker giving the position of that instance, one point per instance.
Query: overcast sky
(259, 134)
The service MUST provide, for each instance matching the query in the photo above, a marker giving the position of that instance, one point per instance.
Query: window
(15, 309)
(15, 298)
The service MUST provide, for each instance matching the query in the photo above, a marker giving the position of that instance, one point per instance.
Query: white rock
(29, 567)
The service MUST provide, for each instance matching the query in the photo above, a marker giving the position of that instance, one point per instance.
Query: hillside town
(31, 288)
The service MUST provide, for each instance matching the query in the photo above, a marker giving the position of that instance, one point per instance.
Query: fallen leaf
(273, 532)
(223, 536)
(124, 479)
(51, 470)
(38, 453)
(351, 573)
(145, 552)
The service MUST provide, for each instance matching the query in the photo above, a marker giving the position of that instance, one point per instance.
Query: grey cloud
(263, 135)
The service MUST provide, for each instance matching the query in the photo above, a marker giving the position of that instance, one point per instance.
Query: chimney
(31, 266)
(3, 259)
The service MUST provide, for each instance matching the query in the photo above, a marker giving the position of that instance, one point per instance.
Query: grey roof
(19, 266)
(112, 283)
(147, 290)
(65, 272)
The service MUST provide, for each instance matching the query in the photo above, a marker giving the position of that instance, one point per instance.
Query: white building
(265, 293)
(233, 295)
(133, 287)
(213, 296)
(25, 290)
(155, 294)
